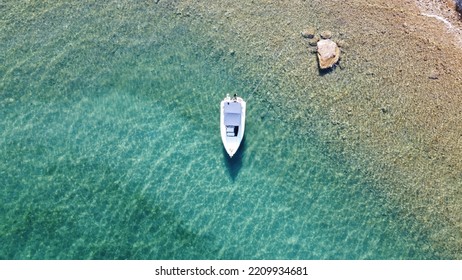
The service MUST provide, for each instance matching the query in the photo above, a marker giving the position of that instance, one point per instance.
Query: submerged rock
(434, 75)
(326, 34)
(314, 41)
(328, 53)
(341, 44)
(308, 32)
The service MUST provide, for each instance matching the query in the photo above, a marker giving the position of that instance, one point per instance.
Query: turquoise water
(110, 149)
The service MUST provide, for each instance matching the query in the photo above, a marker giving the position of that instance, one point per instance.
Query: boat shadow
(234, 164)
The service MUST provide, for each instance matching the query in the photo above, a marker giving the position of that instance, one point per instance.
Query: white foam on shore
(439, 10)
(440, 18)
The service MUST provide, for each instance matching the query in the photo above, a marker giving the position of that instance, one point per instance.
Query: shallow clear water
(110, 149)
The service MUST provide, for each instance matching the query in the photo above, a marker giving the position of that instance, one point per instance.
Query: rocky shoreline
(459, 5)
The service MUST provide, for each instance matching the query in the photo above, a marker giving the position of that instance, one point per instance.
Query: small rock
(433, 75)
(326, 34)
(314, 41)
(385, 109)
(341, 44)
(308, 32)
(349, 111)
(328, 53)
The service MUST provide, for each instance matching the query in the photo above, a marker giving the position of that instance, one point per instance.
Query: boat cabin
(232, 112)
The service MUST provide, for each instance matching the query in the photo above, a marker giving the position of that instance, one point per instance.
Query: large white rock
(328, 53)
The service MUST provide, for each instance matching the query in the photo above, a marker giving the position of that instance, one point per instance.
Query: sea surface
(110, 149)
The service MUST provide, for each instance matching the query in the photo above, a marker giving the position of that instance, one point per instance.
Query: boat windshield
(232, 112)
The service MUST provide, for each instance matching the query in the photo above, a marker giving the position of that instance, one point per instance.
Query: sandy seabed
(392, 109)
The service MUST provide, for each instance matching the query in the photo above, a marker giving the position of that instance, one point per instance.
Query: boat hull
(232, 123)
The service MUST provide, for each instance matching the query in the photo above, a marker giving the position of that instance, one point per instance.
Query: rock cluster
(327, 50)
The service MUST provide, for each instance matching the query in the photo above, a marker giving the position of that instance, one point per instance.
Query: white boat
(232, 123)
